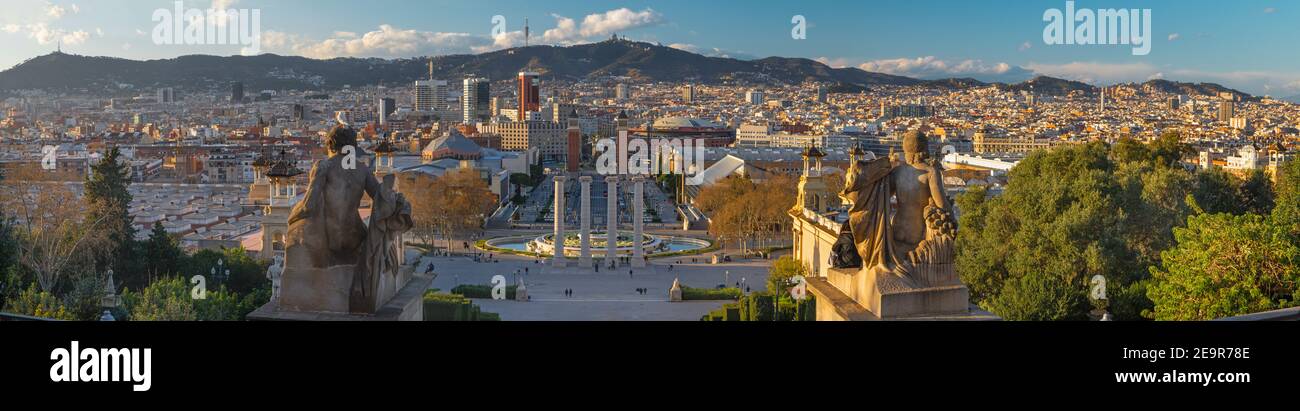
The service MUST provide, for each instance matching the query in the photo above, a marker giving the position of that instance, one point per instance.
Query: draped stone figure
(334, 261)
(907, 243)
(390, 216)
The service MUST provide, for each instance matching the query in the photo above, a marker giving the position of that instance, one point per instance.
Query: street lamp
(220, 273)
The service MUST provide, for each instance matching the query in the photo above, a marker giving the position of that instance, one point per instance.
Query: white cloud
(44, 34)
(1175, 36)
(11, 28)
(386, 41)
(390, 41)
(1025, 46)
(1269, 10)
(599, 25)
(223, 4)
(617, 20)
(931, 67)
(55, 11)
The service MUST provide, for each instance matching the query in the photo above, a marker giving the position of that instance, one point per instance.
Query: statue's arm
(937, 194)
(312, 198)
(373, 188)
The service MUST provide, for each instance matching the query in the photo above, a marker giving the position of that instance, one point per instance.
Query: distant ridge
(607, 59)
(611, 58)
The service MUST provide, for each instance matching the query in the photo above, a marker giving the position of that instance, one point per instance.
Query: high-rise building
(688, 93)
(299, 112)
(166, 95)
(621, 92)
(530, 98)
(430, 95)
(386, 107)
(821, 94)
(1226, 111)
(573, 146)
(754, 97)
(236, 92)
(548, 137)
(476, 102)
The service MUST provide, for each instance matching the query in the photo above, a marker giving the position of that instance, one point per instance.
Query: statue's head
(916, 146)
(339, 137)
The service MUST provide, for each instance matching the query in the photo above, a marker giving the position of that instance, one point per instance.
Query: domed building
(714, 134)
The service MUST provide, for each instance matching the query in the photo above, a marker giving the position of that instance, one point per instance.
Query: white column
(585, 258)
(638, 214)
(558, 240)
(611, 215)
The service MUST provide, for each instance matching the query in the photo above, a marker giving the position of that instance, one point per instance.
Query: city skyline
(1002, 44)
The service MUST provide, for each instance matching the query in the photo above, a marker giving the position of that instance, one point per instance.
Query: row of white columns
(611, 213)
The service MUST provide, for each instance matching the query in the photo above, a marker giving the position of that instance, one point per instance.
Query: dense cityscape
(120, 196)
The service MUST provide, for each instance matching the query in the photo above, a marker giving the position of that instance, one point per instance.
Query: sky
(1245, 44)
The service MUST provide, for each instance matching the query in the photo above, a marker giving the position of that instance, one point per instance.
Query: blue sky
(1248, 44)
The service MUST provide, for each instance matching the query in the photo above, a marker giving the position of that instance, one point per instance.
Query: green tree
(1287, 211)
(1066, 215)
(1216, 191)
(519, 180)
(246, 272)
(37, 303)
(163, 254)
(1255, 194)
(167, 299)
(783, 269)
(1226, 265)
(108, 198)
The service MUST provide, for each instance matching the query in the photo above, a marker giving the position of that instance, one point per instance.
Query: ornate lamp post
(220, 273)
(111, 300)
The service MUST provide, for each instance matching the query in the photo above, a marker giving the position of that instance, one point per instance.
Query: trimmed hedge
(758, 307)
(452, 307)
(691, 293)
(482, 291)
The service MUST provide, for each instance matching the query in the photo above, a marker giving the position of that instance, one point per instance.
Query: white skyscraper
(476, 100)
(430, 95)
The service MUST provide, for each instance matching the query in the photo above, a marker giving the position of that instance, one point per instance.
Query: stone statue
(906, 244)
(390, 216)
(328, 246)
(273, 273)
(844, 253)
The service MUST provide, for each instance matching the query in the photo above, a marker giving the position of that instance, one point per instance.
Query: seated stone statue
(332, 257)
(911, 238)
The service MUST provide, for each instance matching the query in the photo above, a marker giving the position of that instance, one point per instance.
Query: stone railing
(821, 220)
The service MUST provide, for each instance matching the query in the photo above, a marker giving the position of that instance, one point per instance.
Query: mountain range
(638, 61)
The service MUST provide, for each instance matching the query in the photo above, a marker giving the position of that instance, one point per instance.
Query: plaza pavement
(604, 296)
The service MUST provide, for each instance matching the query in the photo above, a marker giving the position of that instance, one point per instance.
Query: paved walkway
(604, 296)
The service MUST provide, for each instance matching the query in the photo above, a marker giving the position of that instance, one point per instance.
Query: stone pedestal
(558, 258)
(638, 223)
(584, 259)
(876, 294)
(322, 295)
(611, 215)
